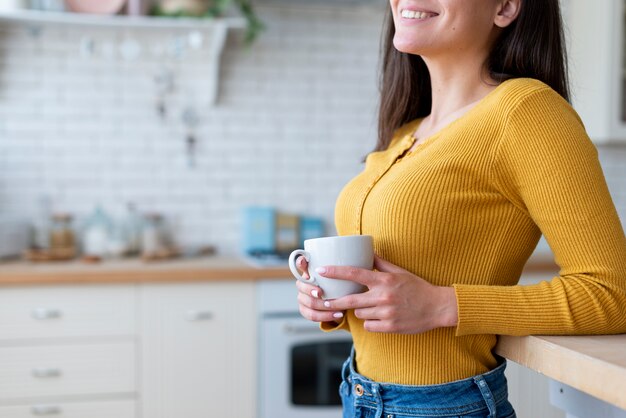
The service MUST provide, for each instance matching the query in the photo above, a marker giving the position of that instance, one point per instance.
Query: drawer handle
(199, 315)
(46, 313)
(301, 329)
(45, 410)
(46, 372)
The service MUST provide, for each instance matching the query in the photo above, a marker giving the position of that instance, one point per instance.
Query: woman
(479, 153)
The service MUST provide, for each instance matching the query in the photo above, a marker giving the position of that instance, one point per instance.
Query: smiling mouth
(414, 14)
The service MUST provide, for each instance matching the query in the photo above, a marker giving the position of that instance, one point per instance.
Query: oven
(299, 365)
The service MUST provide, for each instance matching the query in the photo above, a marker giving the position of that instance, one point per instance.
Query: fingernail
(337, 315)
(320, 270)
(315, 293)
(327, 304)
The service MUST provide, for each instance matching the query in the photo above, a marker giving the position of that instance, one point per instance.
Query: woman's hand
(397, 301)
(310, 299)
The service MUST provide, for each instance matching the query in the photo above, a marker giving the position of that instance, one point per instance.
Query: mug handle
(292, 266)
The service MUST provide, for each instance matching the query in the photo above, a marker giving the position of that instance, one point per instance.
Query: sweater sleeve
(333, 326)
(546, 165)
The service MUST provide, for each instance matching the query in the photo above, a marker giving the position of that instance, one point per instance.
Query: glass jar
(61, 233)
(96, 233)
(153, 235)
(133, 225)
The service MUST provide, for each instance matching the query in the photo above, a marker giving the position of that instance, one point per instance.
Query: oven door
(300, 368)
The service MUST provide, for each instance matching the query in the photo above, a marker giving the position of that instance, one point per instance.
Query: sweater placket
(405, 144)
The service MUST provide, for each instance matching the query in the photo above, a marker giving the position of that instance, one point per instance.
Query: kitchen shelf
(218, 27)
(84, 19)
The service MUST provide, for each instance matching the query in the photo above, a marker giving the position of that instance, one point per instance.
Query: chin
(406, 46)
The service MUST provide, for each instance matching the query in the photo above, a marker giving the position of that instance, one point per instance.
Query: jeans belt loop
(487, 395)
(379, 400)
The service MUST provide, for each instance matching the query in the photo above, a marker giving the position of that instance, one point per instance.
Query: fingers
(309, 289)
(357, 301)
(312, 306)
(311, 303)
(370, 313)
(319, 316)
(353, 274)
(385, 266)
(303, 266)
(375, 326)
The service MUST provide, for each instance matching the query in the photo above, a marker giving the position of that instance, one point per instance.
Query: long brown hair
(532, 46)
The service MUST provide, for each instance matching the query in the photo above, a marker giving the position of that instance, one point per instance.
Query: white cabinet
(68, 351)
(198, 356)
(90, 351)
(66, 370)
(529, 393)
(66, 311)
(94, 409)
(595, 41)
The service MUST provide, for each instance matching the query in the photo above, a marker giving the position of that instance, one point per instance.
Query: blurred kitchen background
(124, 115)
(125, 136)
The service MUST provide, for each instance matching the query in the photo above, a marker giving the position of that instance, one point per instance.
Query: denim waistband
(476, 393)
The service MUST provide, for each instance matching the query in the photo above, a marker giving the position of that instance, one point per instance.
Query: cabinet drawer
(66, 311)
(100, 409)
(79, 369)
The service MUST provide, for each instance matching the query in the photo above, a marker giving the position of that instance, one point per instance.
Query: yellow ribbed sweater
(466, 208)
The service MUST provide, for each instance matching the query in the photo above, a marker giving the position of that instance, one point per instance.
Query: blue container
(258, 230)
(310, 228)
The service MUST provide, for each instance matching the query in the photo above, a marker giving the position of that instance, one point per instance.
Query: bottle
(117, 243)
(96, 234)
(133, 225)
(152, 242)
(41, 224)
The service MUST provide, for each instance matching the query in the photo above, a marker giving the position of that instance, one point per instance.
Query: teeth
(411, 14)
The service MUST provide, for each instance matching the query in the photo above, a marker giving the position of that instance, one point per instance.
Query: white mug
(349, 250)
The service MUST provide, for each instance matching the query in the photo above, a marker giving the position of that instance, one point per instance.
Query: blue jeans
(480, 396)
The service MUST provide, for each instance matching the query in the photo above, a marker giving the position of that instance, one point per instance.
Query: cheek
(393, 5)
(472, 28)
(395, 20)
(468, 38)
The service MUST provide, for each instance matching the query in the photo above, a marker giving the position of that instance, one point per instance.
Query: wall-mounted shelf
(217, 27)
(82, 19)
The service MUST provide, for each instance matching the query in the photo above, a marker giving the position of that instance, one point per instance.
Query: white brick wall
(295, 115)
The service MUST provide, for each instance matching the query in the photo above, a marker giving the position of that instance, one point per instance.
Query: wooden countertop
(136, 270)
(185, 269)
(592, 364)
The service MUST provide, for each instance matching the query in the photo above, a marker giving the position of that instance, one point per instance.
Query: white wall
(295, 116)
